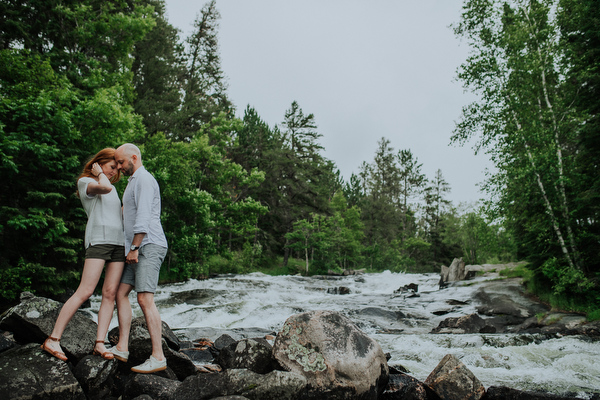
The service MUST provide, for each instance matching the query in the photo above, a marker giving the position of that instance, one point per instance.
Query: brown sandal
(107, 355)
(58, 354)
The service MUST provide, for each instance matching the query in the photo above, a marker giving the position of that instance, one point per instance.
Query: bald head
(128, 158)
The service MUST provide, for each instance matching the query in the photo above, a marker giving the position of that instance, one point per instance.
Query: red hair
(102, 157)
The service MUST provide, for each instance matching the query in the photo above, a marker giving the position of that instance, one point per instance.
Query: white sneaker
(150, 365)
(119, 355)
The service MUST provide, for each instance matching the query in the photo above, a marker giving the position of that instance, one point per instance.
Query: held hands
(132, 257)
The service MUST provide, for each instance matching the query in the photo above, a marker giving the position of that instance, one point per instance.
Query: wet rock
(507, 297)
(96, 376)
(223, 341)
(337, 359)
(140, 348)
(405, 387)
(194, 297)
(276, 385)
(339, 290)
(455, 272)
(158, 388)
(471, 323)
(7, 341)
(32, 321)
(452, 380)
(504, 393)
(140, 328)
(29, 373)
(252, 354)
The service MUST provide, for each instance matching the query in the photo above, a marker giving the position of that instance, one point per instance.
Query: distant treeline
(238, 194)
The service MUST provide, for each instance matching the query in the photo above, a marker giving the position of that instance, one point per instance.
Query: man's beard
(128, 171)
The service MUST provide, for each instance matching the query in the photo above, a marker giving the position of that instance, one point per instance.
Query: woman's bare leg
(112, 278)
(92, 270)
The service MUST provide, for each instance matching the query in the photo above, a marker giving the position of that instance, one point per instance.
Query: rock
(30, 373)
(452, 380)
(252, 354)
(95, 375)
(138, 326)
(223, 341)
(157, 387)
(276, 385)
(404, 387)
(32, 321)
(140, 348)
(507, 297)
(339, 290)
(504, 393)
(7, 341)
(471, 323)
(337, 359)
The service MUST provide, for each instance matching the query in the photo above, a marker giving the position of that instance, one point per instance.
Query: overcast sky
(365, 69)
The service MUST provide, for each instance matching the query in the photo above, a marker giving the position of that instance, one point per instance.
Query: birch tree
(524, 122)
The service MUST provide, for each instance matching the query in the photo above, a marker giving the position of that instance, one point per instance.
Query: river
(247, 305)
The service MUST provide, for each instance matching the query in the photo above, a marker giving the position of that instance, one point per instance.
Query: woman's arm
(103, 185)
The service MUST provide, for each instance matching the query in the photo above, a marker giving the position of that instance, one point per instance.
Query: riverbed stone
(29, 373)
(452, 380)
(157, 387)
(276, 385)
(471, 323)
(504, 393)
(252, 354)
(405, 387)
(338, 359)
(32, 321)
(96, 376)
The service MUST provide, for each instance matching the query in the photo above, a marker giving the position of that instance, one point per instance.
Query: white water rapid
(401, 324)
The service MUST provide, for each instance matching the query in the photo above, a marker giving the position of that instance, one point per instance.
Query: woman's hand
(96, 169)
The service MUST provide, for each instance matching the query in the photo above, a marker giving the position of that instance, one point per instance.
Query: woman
(104, 243)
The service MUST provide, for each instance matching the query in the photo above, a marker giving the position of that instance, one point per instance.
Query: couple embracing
(130, 241)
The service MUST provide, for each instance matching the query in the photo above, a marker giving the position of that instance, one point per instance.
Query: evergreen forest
(239, 195)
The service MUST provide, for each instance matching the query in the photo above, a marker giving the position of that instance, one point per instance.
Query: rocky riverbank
(316, 355)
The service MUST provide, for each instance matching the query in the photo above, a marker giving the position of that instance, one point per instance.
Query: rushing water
(245, 304)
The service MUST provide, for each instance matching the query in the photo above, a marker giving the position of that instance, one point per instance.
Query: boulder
(157, 387)
(140, 348)
(96, 376)
(452, 380)
(29, 373)
(32, 321)
(457, 271)
(471, 323)
(338, 359)
(276, 385)
(405, 387)
(504, 393)
(252, 354)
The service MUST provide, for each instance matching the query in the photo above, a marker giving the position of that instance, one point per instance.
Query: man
(146, 248)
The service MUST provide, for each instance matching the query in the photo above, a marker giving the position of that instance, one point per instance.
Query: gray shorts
(143, 276)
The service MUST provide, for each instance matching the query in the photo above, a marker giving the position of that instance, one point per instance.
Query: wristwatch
(134, 247)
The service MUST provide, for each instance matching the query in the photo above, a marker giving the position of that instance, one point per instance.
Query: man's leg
(146, 302)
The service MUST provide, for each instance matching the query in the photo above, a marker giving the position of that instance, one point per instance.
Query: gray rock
(29, 373)
(452, 380)
(404, 387)
(95, 375)
(32, 321)
(504, 393)
(276, 385)
(338, 359)
(157, 387)
(471, 323)
(252, 354)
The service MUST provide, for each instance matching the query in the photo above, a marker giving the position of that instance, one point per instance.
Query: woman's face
(110, 169)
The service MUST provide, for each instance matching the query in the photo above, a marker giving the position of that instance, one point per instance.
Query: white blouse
(105, 219)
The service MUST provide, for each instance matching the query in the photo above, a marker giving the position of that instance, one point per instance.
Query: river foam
(398, 321)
